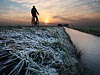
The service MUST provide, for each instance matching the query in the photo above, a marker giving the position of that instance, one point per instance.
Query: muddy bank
(37, 51)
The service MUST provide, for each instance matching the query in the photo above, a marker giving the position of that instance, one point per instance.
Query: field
(91, 30)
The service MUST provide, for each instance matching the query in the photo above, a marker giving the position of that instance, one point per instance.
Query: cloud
(95, 21)
(25, 1)
(75, 11)
(62, 6)
(62, 18)
(10, 9)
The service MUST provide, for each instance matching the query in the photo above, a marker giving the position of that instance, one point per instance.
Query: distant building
(59, 25)
(66, 25)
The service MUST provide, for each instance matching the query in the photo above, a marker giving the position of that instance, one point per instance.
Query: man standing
(34, 13)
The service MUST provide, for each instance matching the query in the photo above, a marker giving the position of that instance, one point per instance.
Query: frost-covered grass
(36, 51)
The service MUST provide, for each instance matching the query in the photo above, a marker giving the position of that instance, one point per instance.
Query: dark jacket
(34, 12)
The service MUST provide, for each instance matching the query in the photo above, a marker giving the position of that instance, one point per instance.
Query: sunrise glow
(46, 21)
(76, 12)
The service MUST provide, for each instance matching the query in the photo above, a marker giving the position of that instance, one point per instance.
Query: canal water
(90, 48)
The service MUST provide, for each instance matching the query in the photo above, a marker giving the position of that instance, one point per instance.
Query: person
(34, 13)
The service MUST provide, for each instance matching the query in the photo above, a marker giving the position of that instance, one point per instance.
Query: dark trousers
(35, 20)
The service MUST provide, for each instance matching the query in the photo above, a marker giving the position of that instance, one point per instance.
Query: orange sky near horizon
(53, 11)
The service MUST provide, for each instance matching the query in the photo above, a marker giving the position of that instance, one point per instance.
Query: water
(90, 47)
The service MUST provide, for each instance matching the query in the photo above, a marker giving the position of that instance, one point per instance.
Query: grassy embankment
(90, 30)
(38, 51)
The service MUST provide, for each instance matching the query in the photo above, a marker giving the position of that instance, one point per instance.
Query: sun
(46, 21)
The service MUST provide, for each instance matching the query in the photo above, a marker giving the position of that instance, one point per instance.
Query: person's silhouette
(34, 13)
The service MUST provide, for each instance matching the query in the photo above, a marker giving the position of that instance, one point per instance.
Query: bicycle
(34, 21)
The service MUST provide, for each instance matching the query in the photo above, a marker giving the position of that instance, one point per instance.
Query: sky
(74, 12)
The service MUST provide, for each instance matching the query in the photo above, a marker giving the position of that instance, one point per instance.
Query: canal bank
(91, 30)
(39, 51)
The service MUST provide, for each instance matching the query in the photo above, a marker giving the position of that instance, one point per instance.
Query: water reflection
(90, 47)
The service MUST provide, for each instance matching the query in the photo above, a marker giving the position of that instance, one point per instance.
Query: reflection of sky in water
(90, 47)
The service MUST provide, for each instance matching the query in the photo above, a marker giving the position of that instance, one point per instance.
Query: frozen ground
(36, 51)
